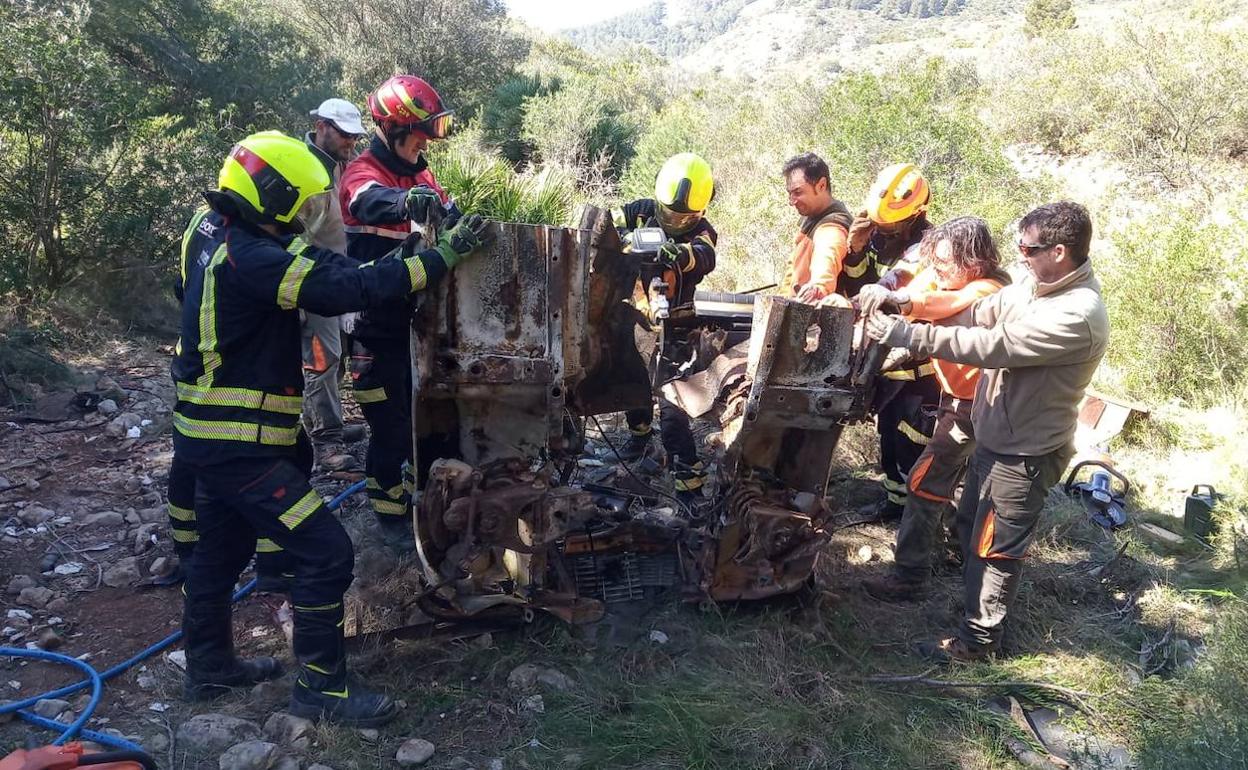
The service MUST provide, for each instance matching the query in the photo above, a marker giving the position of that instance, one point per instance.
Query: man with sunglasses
(1038, 342)
(387, 193)
(335, 133)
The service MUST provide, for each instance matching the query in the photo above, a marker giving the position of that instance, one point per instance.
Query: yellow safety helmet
(683, 190)
(900, 192)
(269, 176)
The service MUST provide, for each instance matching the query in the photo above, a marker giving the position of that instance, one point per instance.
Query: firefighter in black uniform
(239, 381)
(682, 192)
(885, 236)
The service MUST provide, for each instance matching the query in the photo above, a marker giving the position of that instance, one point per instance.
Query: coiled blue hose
(95, 680)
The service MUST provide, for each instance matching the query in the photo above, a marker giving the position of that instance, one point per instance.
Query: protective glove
(860, 232)
(891, 330)
(424, 206)
(673, 253)
(871, 298)
(459, 242)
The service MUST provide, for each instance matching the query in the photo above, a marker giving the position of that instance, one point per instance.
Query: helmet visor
(437, 126)
(676, 222)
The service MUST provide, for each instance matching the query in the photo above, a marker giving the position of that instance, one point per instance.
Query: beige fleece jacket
(1039, 345)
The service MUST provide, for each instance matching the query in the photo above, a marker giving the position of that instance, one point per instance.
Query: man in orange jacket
(818, 258)
(961, 264)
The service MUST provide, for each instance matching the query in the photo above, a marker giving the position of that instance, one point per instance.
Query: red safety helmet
(407, 102)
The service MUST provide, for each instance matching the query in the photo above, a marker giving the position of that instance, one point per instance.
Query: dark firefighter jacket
(373, 195)
(238, 369)
(881, 254)
(698, 257)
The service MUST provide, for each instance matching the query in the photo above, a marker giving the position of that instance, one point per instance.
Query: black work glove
(672, 253)
(424, 206)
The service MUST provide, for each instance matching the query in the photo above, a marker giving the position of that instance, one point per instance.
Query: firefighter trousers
(322, 358)
(237, 502)
(931, 486)
(271, 560)
(997, 516)
(907, 402)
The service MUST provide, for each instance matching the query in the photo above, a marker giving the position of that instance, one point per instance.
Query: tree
(1044, 17)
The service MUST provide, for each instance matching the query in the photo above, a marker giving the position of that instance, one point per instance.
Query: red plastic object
(57, 758)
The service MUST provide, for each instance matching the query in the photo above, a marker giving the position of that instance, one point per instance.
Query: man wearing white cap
(333, 139)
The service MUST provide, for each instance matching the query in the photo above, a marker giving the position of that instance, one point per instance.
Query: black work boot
(884, 510)
(636, 447)
(396, 533)
(689, 479)
(348, 703)
(893, 587)
(212, 669)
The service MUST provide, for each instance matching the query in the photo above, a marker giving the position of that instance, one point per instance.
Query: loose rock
(19, 583)
(555, 680)
(37, 597)
(161, 566)
(249, 755)
(34, 515)
(49, 640)
(51, 708)
(107, 406)
(413, 752)
(523, 677)
(319, 766)
(123, 573)
(143, 537)
(534, 704)
(286, 762)
(209, 733)
(104, 519)
(58, 605)
(156, 743)
(289, 730)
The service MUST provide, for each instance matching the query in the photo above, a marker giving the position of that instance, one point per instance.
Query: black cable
(687, 510)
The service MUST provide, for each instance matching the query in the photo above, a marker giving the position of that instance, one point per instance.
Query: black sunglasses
(344, 134)
(1028, 249)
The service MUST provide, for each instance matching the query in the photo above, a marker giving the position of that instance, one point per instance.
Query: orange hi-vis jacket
(819, 251)
(933, 303)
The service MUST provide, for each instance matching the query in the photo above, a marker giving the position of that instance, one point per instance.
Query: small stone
(495, 764)
(210, 733)
(107, 406)
(178, 659)
(249, 755)
(51, 708)
(19, 615)
(34, 515)
(68, 568)
(555, 680)
(37, 597)
(104, 519)
(146, 682)
(286, 762)
(123, 573)
(460, 763)
(158, 707)
(144, 537)
(370, 735)
(19, 583)
(413, 752)
(132, 517)
(658, 637)
(153, 515)
(289, 730)
(534, 704)
(32, 485)
(58, 605)
(134, 432)
(156, 743)
(49, 640)
(319, 766)
(523, 677)
(161, 566)
(127, 420)
(269, 691)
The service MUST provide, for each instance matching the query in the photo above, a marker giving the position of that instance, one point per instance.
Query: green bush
(1178, 311)
(485, 184)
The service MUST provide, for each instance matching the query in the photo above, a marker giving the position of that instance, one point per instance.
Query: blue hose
(95, 679)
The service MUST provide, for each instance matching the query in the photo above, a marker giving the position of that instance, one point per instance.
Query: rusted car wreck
(522, 346)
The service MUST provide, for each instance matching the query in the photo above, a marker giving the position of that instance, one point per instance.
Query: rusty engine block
(519, 347)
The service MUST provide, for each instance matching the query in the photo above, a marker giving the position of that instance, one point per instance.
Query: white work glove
(871, 297)
(347, 322)
(891, 330)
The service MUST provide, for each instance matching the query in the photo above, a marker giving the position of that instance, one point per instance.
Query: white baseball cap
(342, 114)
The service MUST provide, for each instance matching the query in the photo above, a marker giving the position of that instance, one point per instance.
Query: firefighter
(682, 191)
(239, 383)
(961, 265)
(386, 193)
(885, 234)
(822, 241)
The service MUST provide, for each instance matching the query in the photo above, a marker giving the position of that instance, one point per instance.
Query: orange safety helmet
(900, 192)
